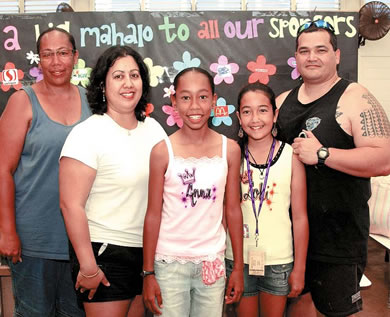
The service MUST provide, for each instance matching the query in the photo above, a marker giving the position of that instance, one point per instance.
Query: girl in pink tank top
(194, 177)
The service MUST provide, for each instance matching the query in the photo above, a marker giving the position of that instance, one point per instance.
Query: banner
(235, 47)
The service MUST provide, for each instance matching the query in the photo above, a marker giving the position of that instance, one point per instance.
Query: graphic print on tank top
(191, 194)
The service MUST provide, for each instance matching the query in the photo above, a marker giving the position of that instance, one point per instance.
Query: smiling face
(316, 60)
(256, 115)
(56, 69)
(194, 99)
(123, 86)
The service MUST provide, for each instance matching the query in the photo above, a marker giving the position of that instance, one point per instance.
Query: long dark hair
(242, 142)
(98, 79)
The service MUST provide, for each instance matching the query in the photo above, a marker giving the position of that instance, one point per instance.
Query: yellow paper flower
(80, 74)
(155, 71)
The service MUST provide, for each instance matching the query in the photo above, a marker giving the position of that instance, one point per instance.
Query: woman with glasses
(33, 128)
(104, 170)
(345, 141)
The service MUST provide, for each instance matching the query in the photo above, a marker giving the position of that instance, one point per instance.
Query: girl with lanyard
(272, 179)
(193, 173)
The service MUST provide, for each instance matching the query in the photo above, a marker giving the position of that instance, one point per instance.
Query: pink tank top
(191, 223)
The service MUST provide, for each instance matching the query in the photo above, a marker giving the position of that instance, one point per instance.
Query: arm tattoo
(374, 120)
(338, 114)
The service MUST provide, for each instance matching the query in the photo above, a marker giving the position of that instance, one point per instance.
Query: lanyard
(263, 187)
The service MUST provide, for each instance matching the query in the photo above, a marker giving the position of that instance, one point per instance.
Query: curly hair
(98, 80)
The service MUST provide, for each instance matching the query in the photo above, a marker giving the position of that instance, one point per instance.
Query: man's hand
(306, 148)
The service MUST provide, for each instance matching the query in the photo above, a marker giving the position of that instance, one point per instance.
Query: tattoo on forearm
(374, 120)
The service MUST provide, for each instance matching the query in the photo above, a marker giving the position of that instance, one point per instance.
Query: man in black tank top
(342, 135)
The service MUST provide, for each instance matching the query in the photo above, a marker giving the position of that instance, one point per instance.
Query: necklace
(261, 170)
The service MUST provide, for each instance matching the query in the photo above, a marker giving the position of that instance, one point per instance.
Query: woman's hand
(91, 282)
(151, 291)
(297, 282)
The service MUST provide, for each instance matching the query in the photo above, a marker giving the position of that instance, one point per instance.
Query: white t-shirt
(117, 203)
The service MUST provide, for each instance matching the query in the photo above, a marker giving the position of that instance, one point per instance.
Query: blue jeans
(43, 288)
(185, 294)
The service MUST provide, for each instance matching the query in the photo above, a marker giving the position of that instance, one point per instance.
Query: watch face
(323, 153)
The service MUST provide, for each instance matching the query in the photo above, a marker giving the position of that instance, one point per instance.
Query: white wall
(374, 69)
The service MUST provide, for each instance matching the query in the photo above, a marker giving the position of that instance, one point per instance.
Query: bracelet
(92, 275)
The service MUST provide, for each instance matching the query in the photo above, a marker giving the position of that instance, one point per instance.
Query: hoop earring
(274, 131)
(240, 133)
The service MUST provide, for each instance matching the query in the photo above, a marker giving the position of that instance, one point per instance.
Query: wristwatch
(322, 154)
(146, 273)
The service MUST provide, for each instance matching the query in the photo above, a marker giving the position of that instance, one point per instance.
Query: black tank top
(337, 202)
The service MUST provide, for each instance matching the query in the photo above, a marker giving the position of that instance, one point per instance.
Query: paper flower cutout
(174, 117)
(81, 73)
(32, 57)
(149, 109)
(10, 77)
(169, 91)
(260, 70)
(224, 70)
(155, 71)
(36, 72)
(221, 113)
(187, 62)
(293, 63)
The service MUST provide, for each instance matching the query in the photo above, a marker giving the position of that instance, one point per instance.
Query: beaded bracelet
(90, 276)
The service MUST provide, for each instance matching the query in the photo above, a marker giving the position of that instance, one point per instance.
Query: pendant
(261, 174)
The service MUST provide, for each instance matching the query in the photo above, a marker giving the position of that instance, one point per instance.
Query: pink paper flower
(294, 73)
(224, 70)
(174, 117)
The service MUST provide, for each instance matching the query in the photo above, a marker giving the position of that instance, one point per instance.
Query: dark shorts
(122, 267)
(274, 281)
(334, 287)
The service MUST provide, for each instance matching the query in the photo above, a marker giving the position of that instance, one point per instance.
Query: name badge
(256, 261)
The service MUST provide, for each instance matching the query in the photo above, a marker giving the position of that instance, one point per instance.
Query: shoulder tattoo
(373, 119)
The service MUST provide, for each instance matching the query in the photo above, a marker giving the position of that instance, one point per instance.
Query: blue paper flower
(187, 62)
(221, 113)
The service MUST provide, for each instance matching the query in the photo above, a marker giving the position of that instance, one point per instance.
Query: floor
(376, 298)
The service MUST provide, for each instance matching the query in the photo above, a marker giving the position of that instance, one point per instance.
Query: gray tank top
(39, 221)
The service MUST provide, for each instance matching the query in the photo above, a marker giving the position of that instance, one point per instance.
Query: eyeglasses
(62, 53)
(321, 24)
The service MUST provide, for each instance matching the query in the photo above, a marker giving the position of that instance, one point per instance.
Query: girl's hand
(296, 282)
(235, 287)
(85, 283)
(151, 291)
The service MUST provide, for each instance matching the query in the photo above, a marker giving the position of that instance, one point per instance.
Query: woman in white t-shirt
(104, 170)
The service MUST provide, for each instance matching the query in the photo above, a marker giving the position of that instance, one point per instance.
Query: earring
(240, 133)
(104, 94)
(274, 131)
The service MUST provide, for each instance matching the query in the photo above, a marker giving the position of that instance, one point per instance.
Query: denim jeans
(185, 294)
(43, 288)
